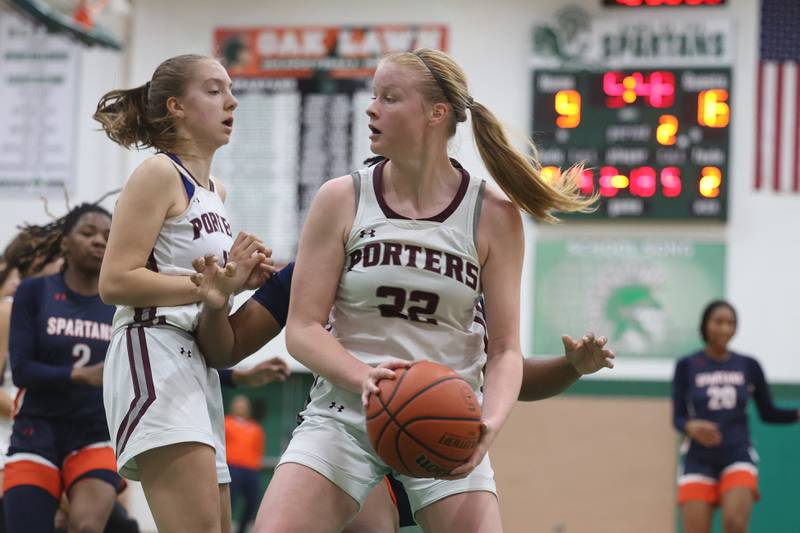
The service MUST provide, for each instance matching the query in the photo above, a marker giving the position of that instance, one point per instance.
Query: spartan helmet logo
(567, 39)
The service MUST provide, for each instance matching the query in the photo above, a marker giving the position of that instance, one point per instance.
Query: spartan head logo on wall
(566, 38)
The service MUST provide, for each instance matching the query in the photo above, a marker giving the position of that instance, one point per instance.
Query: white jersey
(203, 228)
(410, 288)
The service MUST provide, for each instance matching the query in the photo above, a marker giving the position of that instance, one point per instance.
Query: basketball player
(233, 338)
(59, 335)
(163, 403)
(710, 391)
(403, 250)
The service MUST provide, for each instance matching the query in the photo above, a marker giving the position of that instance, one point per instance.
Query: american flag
(778, 98)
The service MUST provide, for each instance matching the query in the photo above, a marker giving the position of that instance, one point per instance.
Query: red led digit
(671, 181)
(612, 87)
(586, 182)
(643, 182)
(662, 89)
(611, 181)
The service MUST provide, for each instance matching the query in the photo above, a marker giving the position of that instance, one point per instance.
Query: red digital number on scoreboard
(656, 89)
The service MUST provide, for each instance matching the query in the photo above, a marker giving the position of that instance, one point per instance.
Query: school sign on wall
(645, 295)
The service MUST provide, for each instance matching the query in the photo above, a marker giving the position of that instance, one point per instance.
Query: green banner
(645, 295)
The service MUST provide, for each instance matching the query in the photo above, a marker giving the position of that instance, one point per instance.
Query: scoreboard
(654, 143)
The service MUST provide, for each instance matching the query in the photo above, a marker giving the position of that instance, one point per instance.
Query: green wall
(778, 446)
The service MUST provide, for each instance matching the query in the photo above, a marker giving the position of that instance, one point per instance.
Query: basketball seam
(385, 409)
(403, 426)
(385, 406)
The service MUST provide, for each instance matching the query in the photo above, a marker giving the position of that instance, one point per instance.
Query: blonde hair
(517, 173)
(139, 117)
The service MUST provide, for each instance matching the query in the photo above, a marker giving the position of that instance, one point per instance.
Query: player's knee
(85, 523)
(735, 522)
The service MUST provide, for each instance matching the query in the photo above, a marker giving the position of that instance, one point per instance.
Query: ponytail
(139, 117)
(519, 174)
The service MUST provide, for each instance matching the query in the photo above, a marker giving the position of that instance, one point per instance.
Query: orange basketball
(425, 422)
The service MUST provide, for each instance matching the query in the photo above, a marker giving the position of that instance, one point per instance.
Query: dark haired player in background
(710, 391)
(59, 334)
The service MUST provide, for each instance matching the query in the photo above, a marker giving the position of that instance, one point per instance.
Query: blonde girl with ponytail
(391, 266)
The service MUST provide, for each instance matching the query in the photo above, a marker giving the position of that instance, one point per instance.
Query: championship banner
(303, 94)
(646, 296)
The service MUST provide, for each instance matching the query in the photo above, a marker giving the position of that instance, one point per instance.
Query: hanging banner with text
(646, 296)
(303, 94)
(38, 105)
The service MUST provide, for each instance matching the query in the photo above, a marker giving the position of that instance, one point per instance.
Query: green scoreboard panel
(654, 142)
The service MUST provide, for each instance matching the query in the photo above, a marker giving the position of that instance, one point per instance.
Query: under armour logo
(186, 352)
(364, 233)
(339, 408)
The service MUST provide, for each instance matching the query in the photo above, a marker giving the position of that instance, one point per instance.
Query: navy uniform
(59, 434)
(719, 391)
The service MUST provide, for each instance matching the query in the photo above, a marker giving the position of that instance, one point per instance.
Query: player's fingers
(239, 237)
(230, 270)
(569, 343)
(210, 259)
(199, 263)
(601, 341)
(197, 279)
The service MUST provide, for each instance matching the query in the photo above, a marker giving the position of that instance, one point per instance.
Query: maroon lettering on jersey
(215, 222)
(453, 267)
(197, 225)
(432, 258)
(355, 258)
(227, 226)
(472, 276)
(412, 255)
(391, 253)
(372, 254)
(207, 225)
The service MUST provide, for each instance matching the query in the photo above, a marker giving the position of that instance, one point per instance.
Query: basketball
(425, 422)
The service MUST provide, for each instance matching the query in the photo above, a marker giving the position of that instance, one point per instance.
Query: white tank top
(202, 228)
(410, 288)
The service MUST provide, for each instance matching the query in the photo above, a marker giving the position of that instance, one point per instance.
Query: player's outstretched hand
(487, 437)
(268, 371)
(589, 354)
(242, 253)
(705, 432)
(384, 370)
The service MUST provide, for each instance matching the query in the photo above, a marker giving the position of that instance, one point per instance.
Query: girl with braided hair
(59, 334)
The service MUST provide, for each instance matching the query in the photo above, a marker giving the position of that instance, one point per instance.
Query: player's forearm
(6, 405)
(215, 337)
(32, 374)
(503, 377)
(546, 378)
(321, 353)
(144, 288)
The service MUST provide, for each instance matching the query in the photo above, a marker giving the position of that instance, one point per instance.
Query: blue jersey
(54, 330)
(718, 391)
